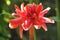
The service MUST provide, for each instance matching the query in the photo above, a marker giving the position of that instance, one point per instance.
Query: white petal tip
(53, 21)
(25, 29)
(40, 3)
(13, 14)
(22, 7)
(36, 26)
(33, 3)
(46, 30)
(10, 26)
(48, 8)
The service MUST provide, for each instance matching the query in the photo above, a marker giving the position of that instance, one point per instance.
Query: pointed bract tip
(22, 4)
(15, 6)
(33, 3)
(13, 14)
(22, 7)
(53, 21)
(10, 26)
(21, 37)
(46, 30)
(36, 26)
(48, 8)
(40, 3)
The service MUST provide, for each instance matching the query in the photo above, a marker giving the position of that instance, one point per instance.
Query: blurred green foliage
(7, 7)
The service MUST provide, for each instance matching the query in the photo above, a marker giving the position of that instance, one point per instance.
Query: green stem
(58, 16)
(30, 1)
(36, 1)
(34, 34)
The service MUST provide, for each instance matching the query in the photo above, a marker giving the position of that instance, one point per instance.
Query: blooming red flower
(29, 16)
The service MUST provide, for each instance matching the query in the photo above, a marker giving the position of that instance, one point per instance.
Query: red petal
(40, 23)
(14, 23)
(21, 31)
(39, 8)
(34, 8)
(44, 26)
(27, 9)
(16, 15)
(17, 8)
(48, 20)
(26, 25)
(42, 13)
(20, 13)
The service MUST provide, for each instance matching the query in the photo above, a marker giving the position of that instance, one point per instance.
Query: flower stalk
(32, 31)
(31, 34)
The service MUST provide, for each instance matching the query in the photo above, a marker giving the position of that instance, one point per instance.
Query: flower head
(29, 16)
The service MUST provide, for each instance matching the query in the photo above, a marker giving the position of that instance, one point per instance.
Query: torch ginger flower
(28, 16)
